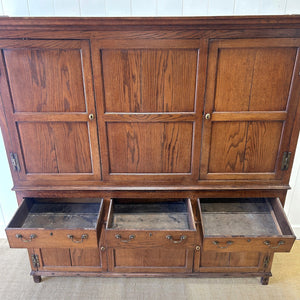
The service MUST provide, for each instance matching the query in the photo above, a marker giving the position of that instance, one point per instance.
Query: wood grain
(149, 80)
(56, 147)
(52, 80)
(150, 147)
(262, 146)
(228, 138)
(85, 257)
(55, 257)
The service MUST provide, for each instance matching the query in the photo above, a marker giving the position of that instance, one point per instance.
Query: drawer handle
(119, 237)
(21, 237)
(268, 243)
(181, 239)
(217, 243)
(78, 241)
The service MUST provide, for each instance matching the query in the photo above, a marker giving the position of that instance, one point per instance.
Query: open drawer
(151, 223)
(247, 224)
(47, 223)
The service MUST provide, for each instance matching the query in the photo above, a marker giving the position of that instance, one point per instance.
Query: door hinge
(285, 160)
(35, 261)
(15, 162)
(266, 262)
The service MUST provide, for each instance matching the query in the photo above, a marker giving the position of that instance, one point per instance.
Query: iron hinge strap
(266, 262)
(285, 161)
(35, 261)
(15, 162)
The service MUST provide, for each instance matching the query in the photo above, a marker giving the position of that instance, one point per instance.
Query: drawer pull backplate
(21, 237)
(268, 243)
(217, 243)
(119, 237)
(77, 241)
(182, 238)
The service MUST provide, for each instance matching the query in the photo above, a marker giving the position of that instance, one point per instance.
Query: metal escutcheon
(207, 116)
(91, 117)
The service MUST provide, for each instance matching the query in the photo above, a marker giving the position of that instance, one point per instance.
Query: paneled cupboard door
(149, 104)
(47, 92)
(251, 99)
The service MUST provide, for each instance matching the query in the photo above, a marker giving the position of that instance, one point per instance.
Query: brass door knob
(91, 117)
(207, 116)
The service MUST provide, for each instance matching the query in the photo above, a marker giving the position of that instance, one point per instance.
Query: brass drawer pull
(83, 237)
(21, 237)
(268, 243)
(181, 239)
(131, 237)
(217, 243)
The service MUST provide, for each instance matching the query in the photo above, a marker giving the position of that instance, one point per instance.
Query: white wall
(99, 8)
(147, 7)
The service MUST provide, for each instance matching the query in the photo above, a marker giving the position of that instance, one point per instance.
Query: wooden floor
(15, 283)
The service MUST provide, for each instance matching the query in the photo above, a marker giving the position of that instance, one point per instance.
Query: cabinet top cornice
(98, 23)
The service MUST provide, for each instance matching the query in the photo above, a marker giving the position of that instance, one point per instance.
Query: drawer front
(42, 238)
(150, 260)
(133, 238)
(237, 244)
(241, 225)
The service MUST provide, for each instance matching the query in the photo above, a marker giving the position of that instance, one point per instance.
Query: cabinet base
(264, 276)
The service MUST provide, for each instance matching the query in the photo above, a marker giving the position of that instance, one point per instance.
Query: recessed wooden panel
(55, 257)
(245, 146)
(234, 76)
(227, 147)
(272, 75)
(61, 147)
(149, 80)
(51, 80)
(85, 257)
(242, 259)
(150, 257)
(150, 147)
(255, 79)
(262, 146)
(228, 259)
(214, 259)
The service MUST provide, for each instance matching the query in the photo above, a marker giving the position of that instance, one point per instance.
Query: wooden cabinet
(150, 147)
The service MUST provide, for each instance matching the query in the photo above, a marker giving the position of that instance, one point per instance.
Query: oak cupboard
(150, 146)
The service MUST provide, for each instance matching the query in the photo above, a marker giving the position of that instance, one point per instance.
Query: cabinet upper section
(173, 102)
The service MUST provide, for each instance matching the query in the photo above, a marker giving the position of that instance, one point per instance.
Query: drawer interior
(150, 215)
(40, 213)
(239, 217)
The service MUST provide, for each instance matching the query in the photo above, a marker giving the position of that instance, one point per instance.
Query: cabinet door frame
(13, 117)
(287, 117)
(192, 117)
